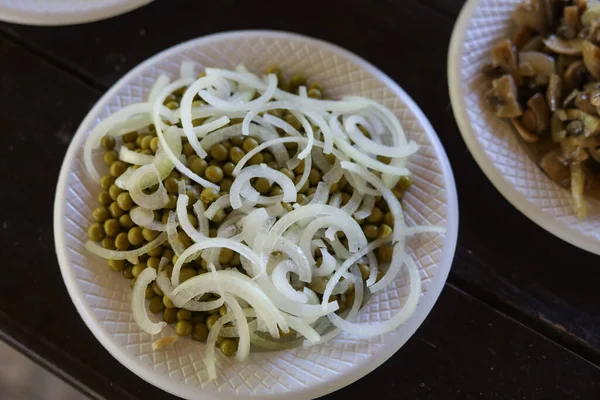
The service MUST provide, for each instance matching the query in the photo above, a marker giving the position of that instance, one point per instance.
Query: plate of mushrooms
(524, 80)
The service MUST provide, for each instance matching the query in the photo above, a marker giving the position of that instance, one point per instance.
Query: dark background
(518, 319)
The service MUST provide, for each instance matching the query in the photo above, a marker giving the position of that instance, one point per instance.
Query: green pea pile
(114, 229)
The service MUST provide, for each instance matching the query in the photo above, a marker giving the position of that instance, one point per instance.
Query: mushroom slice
(591, 58)
(582, 101)
(532, 14)
(553, 167)
(534, 44)
(557, 45)
(571, 17)
(574, 75)
(537, 104)
(502, 98)
(557, 128)
(527, 136)
(591, 14)
(504, 55)
(553, 92)
(591, 124)
(540, 63)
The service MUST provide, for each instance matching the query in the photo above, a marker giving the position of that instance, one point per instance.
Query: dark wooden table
(518, 319)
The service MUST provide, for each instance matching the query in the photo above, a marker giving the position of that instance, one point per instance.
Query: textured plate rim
(425, 305)
(520, 202)
(68, 18)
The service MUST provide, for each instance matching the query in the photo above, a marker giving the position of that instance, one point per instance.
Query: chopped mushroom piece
(591, 124)
(504, 55)
(574, 75)
(537, 104)
(557, 45)
(591, 58)
(555, 169)
(527, 136)
(532, 14)
(502, 98)
(553, 92)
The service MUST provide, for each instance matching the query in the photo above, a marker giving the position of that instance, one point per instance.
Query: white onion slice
(203, 224)
(154, 201)
(122, 180)
(161, 137)
(231, 244)
(321, 194)
(174, 241)
(161, 82)
(138, 303)
(125, 255)
(165, 286)
(238, 284)
(303, 328)
(333, 281)
(328, 264)
(394, 269)
(131, 157)
(220, 204)
(232, 331)
(370, 329)
(261, 171)
(184, 220)
(162, 163)
(280, 280)
(145, 218)
(367, 161)
(281, 124)
(335, 200)
(351, 126)
(298, 257)
(413, 230)
(392, 201)
(242, 325)
(366, 207)
(352, 205)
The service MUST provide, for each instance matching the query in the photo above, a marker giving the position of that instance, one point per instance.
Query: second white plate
(64, 12)
(493, 142)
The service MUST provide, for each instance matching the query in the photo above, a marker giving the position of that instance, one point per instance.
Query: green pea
(385, 253)
(124, 201)
(130, 137)
(219, 152)
(256, 159)
(108, 243)
(186, 273)
(404, 182)
(211, 320)
(223, 310)
(172, 203)
(158, 291)
(275, 191)
(153, 262)
(172, 185)
(155, 252)
(149, 234)
(104, 198)
(117, 168)
(293, 121)
(110, 157)
(95, 232)
(304, 187)
(214, 174)
(198, 166)
(127, 272)
(154, 143)
(315, 93)
(170, 315)
(114, 191)
(183, 328)
(135, 236)
(146, 141)
(149, 292)
(115, 210)
(111, 227)
(209, 195)
(300, 197)
(108, 142)
(219, 216)
(125, 221)
(167, 253)
(167, 302)
(249, 144)
(155, 306)
(200, 332)
(300, 168)
(184, 315)
(314, 177)
(384, 230)
(262, 185)
(267, 157)
(397, 192)
(371, 231)
(100, 214)
(298, 80)
(106, 182)
(228, 347)
(236, 154)
(225, 255)
(228, 169)
(376, 216)
(121, 242)
(116, 265)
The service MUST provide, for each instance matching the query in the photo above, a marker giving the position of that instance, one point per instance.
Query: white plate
(493, 142)
(102, 297)
(64, 12)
